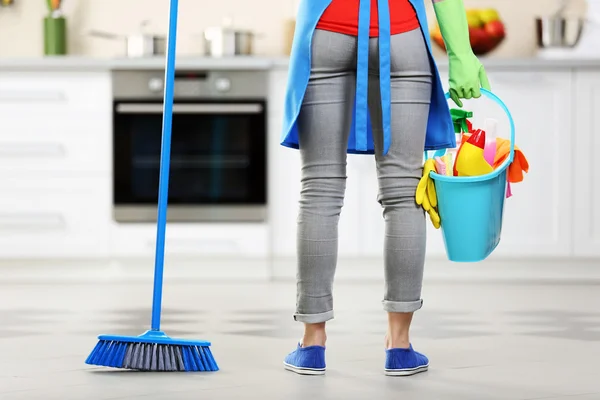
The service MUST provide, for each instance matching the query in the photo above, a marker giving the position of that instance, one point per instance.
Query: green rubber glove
(467, 74)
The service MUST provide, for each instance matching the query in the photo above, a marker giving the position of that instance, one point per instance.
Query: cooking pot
(558, 31)
(139, 44)
(227, 41)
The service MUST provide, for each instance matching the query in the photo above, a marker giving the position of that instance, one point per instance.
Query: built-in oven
(218, 146)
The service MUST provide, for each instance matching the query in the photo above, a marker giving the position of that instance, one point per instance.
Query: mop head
(152, 351)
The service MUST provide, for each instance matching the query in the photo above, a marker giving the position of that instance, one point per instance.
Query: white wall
(21, 26)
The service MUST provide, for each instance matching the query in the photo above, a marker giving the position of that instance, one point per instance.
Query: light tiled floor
(485, 341)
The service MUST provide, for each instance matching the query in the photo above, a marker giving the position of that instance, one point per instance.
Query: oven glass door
(218, 153)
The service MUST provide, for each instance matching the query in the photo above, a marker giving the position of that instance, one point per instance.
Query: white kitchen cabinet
(55, 122)
(586, 174)
(537, 219)
(284, 192)
(55, 157)
(239, 241)
(54, 216)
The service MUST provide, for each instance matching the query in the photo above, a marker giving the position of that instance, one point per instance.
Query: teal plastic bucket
(471, 208)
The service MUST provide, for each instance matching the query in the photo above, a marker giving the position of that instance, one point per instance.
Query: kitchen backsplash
(21, 25)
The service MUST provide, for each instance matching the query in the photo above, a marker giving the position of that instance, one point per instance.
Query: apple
(485, 47)
(489, 15)
(473, 19)
(495, 29)
(478, 36)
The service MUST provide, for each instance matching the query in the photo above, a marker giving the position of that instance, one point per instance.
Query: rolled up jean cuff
(314, 318)
(402, 306)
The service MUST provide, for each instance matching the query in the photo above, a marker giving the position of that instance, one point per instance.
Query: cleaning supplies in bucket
(500, 149)
(443, 164)
(470, 183)
(470, 159)
(495, 151)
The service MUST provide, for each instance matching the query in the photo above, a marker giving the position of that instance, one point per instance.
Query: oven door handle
(232, 108)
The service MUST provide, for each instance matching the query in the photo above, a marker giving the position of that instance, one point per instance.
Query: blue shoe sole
(304, 371)
(406, 371)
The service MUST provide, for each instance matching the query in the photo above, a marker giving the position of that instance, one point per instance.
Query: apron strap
(362, 76)
(384, 72)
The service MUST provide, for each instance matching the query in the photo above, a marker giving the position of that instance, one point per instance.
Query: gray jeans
(324, 124)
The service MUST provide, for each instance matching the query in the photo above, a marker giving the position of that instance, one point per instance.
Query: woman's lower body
(324, 124)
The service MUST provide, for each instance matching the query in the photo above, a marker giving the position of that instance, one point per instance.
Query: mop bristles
(152, 351)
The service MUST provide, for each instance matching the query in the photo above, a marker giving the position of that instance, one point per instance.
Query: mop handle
(165, 160)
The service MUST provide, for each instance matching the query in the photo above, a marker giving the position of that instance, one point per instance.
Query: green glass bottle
(55, 35)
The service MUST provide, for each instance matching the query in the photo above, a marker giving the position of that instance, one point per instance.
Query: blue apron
(440, 130)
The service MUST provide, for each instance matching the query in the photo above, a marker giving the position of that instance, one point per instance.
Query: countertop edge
(84, 64)
(88, 64)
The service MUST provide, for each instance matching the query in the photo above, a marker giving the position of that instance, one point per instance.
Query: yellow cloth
(426, 195)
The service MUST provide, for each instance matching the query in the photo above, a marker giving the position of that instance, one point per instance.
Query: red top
(342, 17)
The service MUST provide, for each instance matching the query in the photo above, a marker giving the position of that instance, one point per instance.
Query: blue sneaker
(405, 362)
(306, 360)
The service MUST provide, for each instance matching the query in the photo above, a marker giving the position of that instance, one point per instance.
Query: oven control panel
(156, 85)
(223, 84)
(140, 84)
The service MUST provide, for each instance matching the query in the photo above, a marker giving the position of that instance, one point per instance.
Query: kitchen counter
(75, 63)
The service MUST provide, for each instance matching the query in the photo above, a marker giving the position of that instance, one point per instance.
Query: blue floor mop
(154, 350)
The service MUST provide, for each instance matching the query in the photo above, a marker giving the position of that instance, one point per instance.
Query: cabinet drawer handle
(31, 96)
(28, 221)
(18, 150)
(191, 108)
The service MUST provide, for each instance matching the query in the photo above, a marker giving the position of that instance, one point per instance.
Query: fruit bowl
(486, 31)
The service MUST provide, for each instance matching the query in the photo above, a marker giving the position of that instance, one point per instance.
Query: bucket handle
(503, 106)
